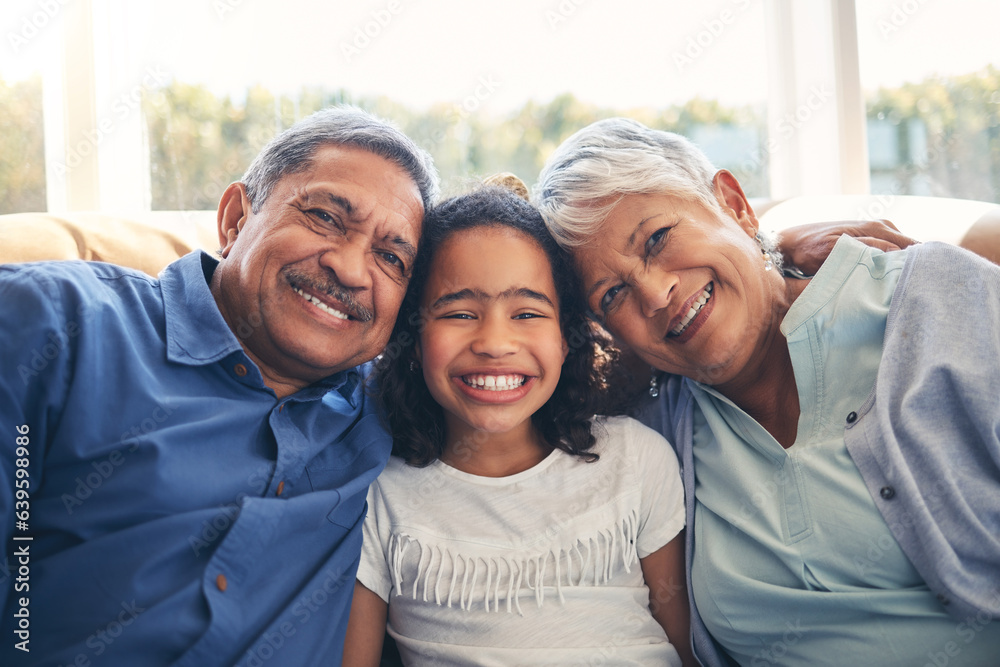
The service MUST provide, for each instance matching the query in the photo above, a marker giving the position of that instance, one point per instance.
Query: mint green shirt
(793, 563)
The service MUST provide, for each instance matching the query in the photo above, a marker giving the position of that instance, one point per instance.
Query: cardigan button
(887, 492)
(240, 370)
(852, 417)
(281, 487)
(221, 583)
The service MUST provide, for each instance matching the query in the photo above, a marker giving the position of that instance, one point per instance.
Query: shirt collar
(847, 253)
(197, 334)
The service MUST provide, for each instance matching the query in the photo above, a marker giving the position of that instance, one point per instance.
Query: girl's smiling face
(492, 347)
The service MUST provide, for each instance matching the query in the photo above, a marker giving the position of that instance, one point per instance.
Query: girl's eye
(457, 316)
(655, 238)
(610, 298)
(527, 316)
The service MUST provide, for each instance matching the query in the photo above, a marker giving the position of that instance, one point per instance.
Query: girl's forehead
(490, 260)
(484, 240)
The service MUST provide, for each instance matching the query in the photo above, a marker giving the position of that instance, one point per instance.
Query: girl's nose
(495, 338)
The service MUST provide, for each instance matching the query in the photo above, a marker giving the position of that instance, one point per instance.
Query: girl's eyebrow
(479, 295)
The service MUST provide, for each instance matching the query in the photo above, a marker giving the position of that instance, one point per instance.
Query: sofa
(149, 241)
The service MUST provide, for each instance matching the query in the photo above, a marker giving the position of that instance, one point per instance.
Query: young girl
(511, 527)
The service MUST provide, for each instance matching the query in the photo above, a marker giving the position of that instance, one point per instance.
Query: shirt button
(887, 492)
(281, 487)
(852, 417)
(221, 583)
(240, 369)
(943, 600)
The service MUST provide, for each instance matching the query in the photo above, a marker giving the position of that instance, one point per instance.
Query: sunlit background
(108, 103)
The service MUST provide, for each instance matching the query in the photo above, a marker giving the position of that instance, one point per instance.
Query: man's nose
(351, 261)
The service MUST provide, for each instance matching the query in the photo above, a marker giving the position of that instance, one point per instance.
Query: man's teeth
(319, 304)
(695, 309)
(494, 382)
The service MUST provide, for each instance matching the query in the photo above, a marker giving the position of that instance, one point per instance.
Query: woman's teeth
(319, 304)
(695, 309)
(494, 382)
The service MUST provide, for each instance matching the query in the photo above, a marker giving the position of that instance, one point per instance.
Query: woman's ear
(234, 209)
(733, 202)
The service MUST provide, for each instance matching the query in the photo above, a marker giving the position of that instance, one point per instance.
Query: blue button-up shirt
(175, 511)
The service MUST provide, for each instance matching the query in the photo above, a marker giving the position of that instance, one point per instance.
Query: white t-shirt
(538, 568)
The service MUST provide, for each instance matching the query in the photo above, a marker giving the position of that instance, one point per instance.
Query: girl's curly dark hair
(415, 419)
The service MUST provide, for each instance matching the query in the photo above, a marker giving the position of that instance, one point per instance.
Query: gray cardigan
(927, 438)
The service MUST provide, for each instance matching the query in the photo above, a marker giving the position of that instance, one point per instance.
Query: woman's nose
(654, 291)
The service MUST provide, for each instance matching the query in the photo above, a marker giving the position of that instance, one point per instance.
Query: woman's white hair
(592, 170)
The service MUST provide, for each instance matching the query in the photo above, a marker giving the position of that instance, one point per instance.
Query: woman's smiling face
(683, 285)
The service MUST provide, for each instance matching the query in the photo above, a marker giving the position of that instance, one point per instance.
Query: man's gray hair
(292, 151)
(592, 170)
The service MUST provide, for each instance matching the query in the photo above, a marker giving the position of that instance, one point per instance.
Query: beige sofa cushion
(144, 245)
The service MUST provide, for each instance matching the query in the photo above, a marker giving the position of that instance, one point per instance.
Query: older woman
(840, 436)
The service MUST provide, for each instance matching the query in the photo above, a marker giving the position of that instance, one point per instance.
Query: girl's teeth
(494, 382)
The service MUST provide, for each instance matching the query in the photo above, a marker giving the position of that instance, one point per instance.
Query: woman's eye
(655, 238)
(609, 299)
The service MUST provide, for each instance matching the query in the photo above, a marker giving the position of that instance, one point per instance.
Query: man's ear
(234, 209)
(734, 203)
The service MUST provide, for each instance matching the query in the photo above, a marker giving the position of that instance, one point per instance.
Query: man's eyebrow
(342, 202)
(403, 246)
(309, 198)
(479, 295)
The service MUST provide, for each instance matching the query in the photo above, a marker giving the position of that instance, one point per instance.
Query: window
(161, 105)
(931, 75)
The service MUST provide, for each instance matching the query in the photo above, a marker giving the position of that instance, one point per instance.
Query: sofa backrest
(147, 242)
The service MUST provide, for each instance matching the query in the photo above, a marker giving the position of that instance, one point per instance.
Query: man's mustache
(332, 288)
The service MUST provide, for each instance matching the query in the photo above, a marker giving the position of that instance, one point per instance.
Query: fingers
(882, 234)
(882, 244)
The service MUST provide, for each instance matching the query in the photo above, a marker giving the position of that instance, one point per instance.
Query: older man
(184, 477)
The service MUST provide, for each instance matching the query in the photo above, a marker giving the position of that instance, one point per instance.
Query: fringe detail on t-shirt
(490, 582)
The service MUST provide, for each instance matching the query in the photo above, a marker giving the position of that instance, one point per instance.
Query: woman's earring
(654, 384)
(768, 262)
(413, 366)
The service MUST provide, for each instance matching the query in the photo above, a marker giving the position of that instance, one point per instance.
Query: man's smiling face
(319, 272)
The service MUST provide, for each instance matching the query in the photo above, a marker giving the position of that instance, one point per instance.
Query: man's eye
(610, 298)
(325, 217)
(392, 259)
(655, 238)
